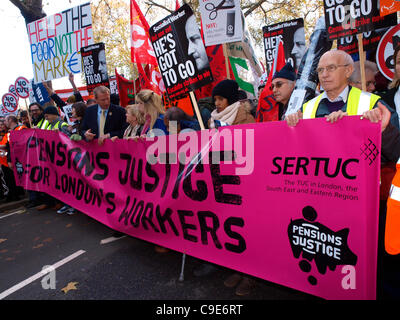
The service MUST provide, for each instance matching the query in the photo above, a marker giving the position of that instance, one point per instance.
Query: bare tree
(31, 10)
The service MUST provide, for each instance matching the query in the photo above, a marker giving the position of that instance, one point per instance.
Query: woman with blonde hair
(136, 120)
(150, 103)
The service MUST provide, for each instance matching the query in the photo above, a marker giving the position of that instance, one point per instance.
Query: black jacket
(115, 122)
(388, 97)
(390, 144)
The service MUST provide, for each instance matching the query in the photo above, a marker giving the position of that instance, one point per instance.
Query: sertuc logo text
(317, 242)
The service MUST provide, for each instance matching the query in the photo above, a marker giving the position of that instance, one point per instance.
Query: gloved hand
(75, 137)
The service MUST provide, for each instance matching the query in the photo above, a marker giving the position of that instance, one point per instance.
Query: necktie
(102, 122)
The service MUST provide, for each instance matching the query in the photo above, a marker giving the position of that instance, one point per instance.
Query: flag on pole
(125, 89)
(268, 109)
(146, 77)
(243, 75)
(141, 48)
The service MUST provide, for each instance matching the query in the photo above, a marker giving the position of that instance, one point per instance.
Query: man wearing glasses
(339, 99)
(282, 86)
(37, 117)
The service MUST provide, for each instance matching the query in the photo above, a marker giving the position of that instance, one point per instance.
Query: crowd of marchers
(339, 94)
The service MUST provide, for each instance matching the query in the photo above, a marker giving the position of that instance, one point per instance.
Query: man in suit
(103, 120)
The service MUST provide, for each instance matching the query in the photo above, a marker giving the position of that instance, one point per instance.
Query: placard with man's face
(294, 41)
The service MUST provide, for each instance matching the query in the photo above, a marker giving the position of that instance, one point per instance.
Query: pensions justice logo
(319, 243)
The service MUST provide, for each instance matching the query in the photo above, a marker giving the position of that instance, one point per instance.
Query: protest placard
(385, 51)
(39, 93)
(10, 102)
(370, 41)
(349, 17)
(56, 40)
(4, 112)
(67, 110)
(12, 89)
(294, 42)
(113, 85)
(303, 213)
(371, 38)
(95, 66)
(222, 22)
(180, 53)
(22, 87)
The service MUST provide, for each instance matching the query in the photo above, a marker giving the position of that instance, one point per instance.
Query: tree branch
(30, 10)
(152, 3)
(20, 5)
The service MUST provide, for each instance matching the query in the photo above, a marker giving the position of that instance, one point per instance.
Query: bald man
(339, 99)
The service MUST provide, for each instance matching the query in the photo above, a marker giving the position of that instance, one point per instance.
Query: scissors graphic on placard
(214, 9)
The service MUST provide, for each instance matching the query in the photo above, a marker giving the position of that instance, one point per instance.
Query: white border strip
(40, 274)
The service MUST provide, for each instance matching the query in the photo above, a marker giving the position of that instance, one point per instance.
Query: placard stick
(362, 59)
(334, 44)
(228, 75)
(196, 109)
(27, 111)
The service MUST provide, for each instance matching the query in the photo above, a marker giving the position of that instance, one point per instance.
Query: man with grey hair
(103, 120)
(339, 99)
(370, 71)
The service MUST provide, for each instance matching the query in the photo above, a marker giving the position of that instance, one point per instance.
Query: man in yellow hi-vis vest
(53, 123)
(339, 99)
(53, 119)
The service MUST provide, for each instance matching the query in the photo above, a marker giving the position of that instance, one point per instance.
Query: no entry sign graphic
(384, 53)
(22, 87)
(10, 102)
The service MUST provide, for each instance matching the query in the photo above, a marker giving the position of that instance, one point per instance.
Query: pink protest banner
(302, 212)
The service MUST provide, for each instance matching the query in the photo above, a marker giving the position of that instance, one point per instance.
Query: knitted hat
(228, 89)
(51, 110)
(287, 72)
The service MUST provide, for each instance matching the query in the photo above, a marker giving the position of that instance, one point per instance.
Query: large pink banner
(296, 206)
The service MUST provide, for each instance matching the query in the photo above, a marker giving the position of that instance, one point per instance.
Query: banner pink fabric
(300, 211)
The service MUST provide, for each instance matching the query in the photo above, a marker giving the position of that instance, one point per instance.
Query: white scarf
(131, 131)
(228, 115)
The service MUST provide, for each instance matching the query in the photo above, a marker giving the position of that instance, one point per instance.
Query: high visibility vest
(56, 126)
(17, 128)
(392, 229)
(3, 159)
(357, 103)
(42, 124)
